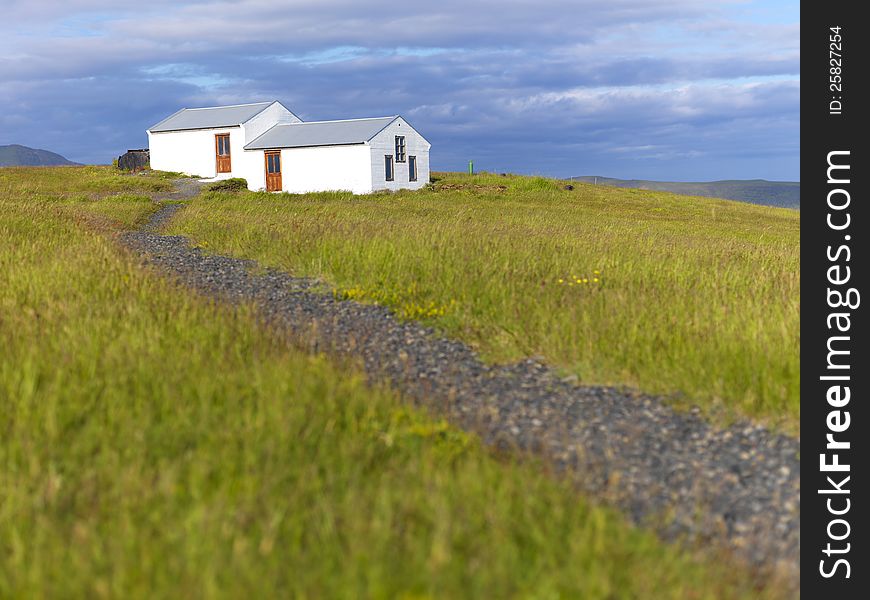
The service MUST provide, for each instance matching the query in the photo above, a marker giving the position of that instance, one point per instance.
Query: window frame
(273, 163)
(401, 148)
(412, 168)
(223, 143)
(389, 168)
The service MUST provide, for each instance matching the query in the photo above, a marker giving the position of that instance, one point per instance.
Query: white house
(275, 150)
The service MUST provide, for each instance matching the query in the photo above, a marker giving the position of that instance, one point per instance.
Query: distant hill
(757, 191)
(15, 155)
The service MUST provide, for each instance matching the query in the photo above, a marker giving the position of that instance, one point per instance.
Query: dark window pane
(412, 168)
(277, 163)
(388, 168)
(400, 148)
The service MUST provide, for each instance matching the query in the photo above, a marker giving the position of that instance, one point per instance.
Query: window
(412, 168)
(388, 168)
(400, 148)
(274, 162)
(223, 145)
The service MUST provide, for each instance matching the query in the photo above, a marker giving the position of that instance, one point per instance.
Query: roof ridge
(156, 125)
(231, 115)
(342, 120)
(392, 120)
(230, 105)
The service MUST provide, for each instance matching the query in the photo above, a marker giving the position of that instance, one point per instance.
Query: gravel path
(740, 485)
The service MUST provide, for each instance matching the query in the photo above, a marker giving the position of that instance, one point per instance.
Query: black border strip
(834, 265)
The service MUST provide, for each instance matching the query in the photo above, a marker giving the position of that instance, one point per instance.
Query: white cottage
(275, 150)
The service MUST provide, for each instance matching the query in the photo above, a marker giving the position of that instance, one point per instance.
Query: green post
(471, 167)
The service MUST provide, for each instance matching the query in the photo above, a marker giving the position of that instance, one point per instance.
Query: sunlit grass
(691, 297)
(155, 445)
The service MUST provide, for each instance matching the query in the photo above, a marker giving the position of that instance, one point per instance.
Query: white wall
(384, 143)
(251, 163)
(323, 168)
(193, 152)
(357, 168)
(275, 114)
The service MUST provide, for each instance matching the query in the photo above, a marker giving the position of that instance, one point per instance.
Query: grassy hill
(157, 445)
(691, 297)
(15, 155)
(786, 194)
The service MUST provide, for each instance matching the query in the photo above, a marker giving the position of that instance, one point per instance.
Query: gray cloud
(626, 88)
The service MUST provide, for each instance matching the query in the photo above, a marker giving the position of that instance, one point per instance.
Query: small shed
(134, 160)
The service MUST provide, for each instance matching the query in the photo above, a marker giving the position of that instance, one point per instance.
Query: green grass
(79, 182)
(233, 184)
(784, 194)
(156, 445)
(693, 297)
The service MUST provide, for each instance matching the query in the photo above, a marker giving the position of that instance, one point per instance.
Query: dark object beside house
(134, 160)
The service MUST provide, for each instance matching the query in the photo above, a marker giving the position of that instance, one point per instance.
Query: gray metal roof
(320, 133)
(214, 116)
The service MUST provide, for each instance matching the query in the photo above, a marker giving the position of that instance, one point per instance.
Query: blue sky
(652, 89)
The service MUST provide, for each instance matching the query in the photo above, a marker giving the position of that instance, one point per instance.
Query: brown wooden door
(222, 152)
(273, 172)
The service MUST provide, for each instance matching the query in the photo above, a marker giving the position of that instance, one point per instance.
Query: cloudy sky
(653, 89)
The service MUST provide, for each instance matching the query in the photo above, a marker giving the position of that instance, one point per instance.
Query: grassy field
(688, 296)
(155, 445)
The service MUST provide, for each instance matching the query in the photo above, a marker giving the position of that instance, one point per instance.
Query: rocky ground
(737, 486)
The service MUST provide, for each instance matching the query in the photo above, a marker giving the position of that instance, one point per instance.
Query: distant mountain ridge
(16, 155)
(786, 194)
